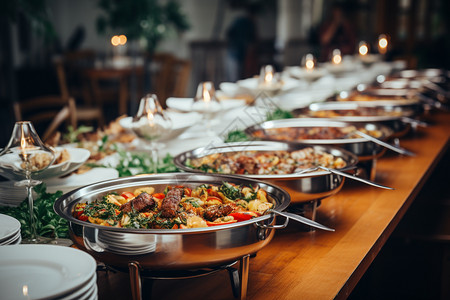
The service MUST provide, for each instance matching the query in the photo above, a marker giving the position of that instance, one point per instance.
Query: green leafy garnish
(279, 114)
(236, 136)
(139, 163)
(72, 135)
(48, 223)
(230, 191)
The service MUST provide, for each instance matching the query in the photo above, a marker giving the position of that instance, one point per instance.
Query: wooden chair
(161, 65)
(47, 114)
(84, 113)
(73, 64)
(169, 76)
(108, 86)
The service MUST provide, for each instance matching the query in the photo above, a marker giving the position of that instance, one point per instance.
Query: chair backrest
(70, 67)
(161, 66)
(47, 113)
(169, 76)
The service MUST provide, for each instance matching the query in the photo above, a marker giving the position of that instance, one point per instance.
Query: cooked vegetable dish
(265, 162)
(178, 207)
(313, 133)
(362, 111)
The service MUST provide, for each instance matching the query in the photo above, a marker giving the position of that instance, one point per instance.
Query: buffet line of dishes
(225, 202)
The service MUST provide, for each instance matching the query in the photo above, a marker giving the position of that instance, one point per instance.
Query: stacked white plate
(127, 244)
(9, 230)
(47, 272)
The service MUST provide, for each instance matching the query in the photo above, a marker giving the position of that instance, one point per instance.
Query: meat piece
(216, 211)
(170, 203)
(141, 203)
(248, 164)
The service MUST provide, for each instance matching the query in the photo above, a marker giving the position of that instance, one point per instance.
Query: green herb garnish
(48, 223)
(236, 136)
(230, 191)
(279, 114)
(72, 134)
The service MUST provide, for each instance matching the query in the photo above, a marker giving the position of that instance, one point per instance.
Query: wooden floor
(415, 261)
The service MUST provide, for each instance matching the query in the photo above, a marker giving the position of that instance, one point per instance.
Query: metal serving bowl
(302, 187)
(169, 249)
(397, 115)
(361, 147)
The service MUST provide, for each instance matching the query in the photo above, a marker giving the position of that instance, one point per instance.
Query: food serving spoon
(300, 219)
(345, 175)
(384, 144)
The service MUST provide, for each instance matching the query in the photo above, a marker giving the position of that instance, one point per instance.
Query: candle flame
(309, 64)
(382, 43)
(206, 94)
(268, 77)
(363, 49)
(150, 118)
(25, 290)
(337, 59)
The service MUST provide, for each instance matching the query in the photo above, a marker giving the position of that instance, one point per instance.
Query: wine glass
(150, 124)
(26, 155)
(206, 103)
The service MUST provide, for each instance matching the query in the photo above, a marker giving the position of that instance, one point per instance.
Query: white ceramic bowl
(78, 157)
(180, 123)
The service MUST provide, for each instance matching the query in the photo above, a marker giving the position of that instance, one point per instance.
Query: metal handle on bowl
(90, 239)
(268, 226)
(298, 218)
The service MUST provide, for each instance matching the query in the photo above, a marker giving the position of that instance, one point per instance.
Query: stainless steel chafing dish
(302, 187)
(361, 147)
(170, 249)
(398, 115)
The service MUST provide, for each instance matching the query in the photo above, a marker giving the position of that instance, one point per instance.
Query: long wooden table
(298, 264)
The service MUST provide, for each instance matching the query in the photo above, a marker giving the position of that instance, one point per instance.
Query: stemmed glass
(269, 81)
(26, 155)
(206, 103)
(150, 124)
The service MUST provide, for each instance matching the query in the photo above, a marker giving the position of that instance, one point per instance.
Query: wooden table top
(298, 264)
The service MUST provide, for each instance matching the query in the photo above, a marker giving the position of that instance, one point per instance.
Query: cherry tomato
(244, 216)
(127, 195)
(159, 195)
(220, 223)
(83, 218)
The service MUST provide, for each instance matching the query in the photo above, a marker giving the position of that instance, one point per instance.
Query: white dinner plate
(9, 227)
(185, 104)
(42, 271)
(69, 183)
(84, 291)
(78, 157)
(12, 240)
